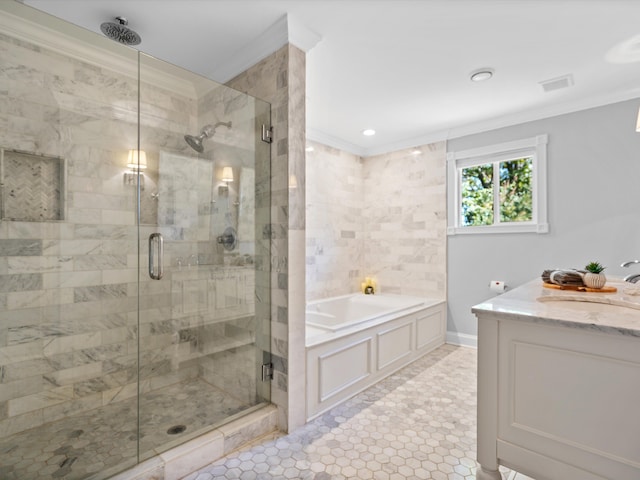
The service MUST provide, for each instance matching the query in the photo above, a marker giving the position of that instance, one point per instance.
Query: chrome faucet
(630, 262)
(634, 277)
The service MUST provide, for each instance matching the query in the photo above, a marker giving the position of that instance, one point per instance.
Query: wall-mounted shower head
(120, 32)
(195, 142)
(206, 132)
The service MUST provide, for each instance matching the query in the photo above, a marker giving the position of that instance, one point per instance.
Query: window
(498, 189)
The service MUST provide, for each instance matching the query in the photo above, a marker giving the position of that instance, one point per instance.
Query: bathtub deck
(316, 335)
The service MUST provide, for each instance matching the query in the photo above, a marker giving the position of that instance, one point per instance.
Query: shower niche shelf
(31, 186)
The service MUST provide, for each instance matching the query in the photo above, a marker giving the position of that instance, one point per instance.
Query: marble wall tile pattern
(405, 231)
(280, 80)
(69, 324)
(381, 217)
(33, 187)
(335, 222)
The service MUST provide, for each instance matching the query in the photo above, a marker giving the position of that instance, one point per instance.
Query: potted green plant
(594, 278)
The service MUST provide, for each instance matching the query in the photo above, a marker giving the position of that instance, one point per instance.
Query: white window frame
(534, 147)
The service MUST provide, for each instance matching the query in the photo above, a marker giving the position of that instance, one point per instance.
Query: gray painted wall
(594, 208)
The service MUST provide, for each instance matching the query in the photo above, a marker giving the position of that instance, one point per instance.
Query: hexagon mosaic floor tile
(419, 423)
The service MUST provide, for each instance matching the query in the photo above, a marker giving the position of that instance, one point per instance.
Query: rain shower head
(207, 131)
(120, 32)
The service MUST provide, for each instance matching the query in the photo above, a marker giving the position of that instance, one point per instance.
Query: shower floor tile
(84, 446)
(419, 423)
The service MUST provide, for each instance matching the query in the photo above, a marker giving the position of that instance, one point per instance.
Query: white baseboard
(462, 339)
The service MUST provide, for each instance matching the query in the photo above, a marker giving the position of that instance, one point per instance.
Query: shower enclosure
(134, 270)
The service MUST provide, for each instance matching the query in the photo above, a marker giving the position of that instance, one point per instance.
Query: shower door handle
(156, 238)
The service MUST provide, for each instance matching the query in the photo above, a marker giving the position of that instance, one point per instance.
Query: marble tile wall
(245, 203)
(280, 80)
(335, 222)
(69, 292)
(405, 229)
(380, 217)
(68, 335)
(35, 186)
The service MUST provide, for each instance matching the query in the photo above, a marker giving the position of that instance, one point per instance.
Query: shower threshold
(101, 442)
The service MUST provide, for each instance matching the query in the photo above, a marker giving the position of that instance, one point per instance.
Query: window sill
(489, 229)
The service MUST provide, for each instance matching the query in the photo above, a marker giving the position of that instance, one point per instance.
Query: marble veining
(86, 445)
(21, 247)
(279, 79)
(418, 423)
(366, 217)
(531, 302)
(72, 312)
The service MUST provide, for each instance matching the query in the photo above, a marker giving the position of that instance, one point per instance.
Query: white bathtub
(354, 341)
(337, 313)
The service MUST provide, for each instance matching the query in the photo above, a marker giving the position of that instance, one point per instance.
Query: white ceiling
(402, 66)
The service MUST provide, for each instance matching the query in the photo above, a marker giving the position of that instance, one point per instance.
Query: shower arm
(208, 130)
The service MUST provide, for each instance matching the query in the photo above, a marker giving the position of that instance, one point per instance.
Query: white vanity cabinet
(558, 389)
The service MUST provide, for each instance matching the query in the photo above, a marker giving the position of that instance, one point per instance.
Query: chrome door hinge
(267, 134)
(267, 372)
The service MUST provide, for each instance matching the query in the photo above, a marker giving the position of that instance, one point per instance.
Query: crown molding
(301, 36)
(335, 142)
(284, 31)
(33, 26)
(478, 127)
(544, 112)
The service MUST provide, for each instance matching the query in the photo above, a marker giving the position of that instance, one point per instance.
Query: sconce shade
(293, 181)
(132, 161)
(227, 174)
(638, 122)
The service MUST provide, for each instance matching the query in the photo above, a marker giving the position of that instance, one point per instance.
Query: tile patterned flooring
(419, 423)
(88, 445)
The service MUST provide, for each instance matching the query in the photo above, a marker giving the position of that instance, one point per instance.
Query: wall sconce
(227, 178)
(293, 181)
(638, 122)
(227, 175)
(136, 162)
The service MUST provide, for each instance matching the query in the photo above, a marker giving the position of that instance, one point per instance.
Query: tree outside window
(497, 189)
(515, 200)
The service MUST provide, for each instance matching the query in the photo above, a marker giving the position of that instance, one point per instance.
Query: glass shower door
(134, 282)
(68, 252)
(204, 204)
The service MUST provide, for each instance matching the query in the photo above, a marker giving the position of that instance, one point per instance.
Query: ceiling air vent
(557, 83)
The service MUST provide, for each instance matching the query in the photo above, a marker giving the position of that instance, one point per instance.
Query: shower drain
(176, 429)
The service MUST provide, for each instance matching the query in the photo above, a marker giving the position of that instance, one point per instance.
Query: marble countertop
(617, 312)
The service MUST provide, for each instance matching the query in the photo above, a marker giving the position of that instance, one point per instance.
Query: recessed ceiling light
(308, 149)
(369, 132)
(481, 75)
(416, 151)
